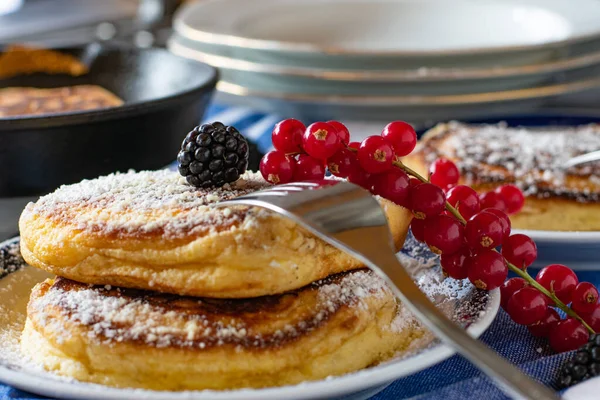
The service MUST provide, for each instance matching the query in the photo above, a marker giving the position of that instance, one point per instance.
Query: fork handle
(510, 378)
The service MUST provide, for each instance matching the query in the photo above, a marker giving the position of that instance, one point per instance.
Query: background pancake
(18, 101)
(151, 230)
(141, 339)
(491, 155)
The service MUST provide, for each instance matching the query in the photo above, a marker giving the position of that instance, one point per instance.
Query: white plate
(390, 27)
(467, 304)
(579, 57)
(311, 81)
(416, 109)
(578, 250)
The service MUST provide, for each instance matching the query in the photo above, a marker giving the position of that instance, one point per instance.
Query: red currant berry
(320, 140)
(559, 279)
(360, 177)
(568, 334)
(504, 220)
(509, 287)
(354, 145)
(277, 168)
(341, 130)
(527, 306)
(519, 250)
(287, 136)
(513, 198)
(427, 200)
(391, 185)
(593, 318)
(492, 200)
(487, 270)
(414, 182)
(543, 326)
(443, 173)
(464, 199)
(308, 169)
(417, 227)
(483, 231)
(401, 136)
(375, 155)
(456, 265)
(443, 234)
(585, 298)
(447, 188)
(342, 163)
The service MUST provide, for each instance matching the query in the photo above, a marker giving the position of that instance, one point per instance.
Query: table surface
(453, 379)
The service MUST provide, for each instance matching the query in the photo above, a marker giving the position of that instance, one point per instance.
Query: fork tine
(305, 184)
(290, 187)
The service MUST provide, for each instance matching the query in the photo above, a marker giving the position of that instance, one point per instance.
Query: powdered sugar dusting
(353, 289)
(10, 259)
(534, 157)
(116, 315)
(147, 202)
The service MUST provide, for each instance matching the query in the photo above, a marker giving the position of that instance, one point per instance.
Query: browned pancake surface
(22, 101)
(161, 320)
(531, 158)
(145, 205)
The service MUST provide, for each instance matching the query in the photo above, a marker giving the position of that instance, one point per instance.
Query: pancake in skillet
(491, 155)
(141, 339)
(25, 101)
(151, 230)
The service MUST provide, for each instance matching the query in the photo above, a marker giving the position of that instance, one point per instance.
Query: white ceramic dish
(580, 57)
(578, 250)
(259, 77)
(390, 27)
(467, 304)
(417, 108)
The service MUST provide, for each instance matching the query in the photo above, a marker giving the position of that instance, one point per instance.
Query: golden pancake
(141, 339)
(22, 101)
(151, 230)
(491, 155)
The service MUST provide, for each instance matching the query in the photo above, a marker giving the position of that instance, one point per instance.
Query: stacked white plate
(384, 59)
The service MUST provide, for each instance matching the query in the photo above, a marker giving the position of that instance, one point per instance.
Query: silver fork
(582, 159)
(349, 218)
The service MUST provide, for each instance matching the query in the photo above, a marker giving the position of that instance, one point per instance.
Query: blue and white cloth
(453, 379)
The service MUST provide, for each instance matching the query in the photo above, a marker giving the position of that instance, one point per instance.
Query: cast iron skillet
(165, 96)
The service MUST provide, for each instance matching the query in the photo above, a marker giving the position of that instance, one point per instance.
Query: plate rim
(229, 40)
(539, 92)
(336, 386)
(583, 237)
(432, 74)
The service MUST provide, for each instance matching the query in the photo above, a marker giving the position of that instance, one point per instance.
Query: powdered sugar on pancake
(147, 202)
(534, 158)
(118, 315)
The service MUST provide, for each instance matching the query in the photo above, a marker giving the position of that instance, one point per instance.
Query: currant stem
(552, 296)
(514, 268)
(414, 173)
(408, 170)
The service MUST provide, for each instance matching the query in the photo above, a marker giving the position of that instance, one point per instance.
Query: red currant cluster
(465, 228)
(303, 153)
(526, 305)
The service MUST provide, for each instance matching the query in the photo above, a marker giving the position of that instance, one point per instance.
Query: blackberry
(584, 364)
(212, 155)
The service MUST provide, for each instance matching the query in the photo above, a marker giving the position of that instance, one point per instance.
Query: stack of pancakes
(159, 290)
